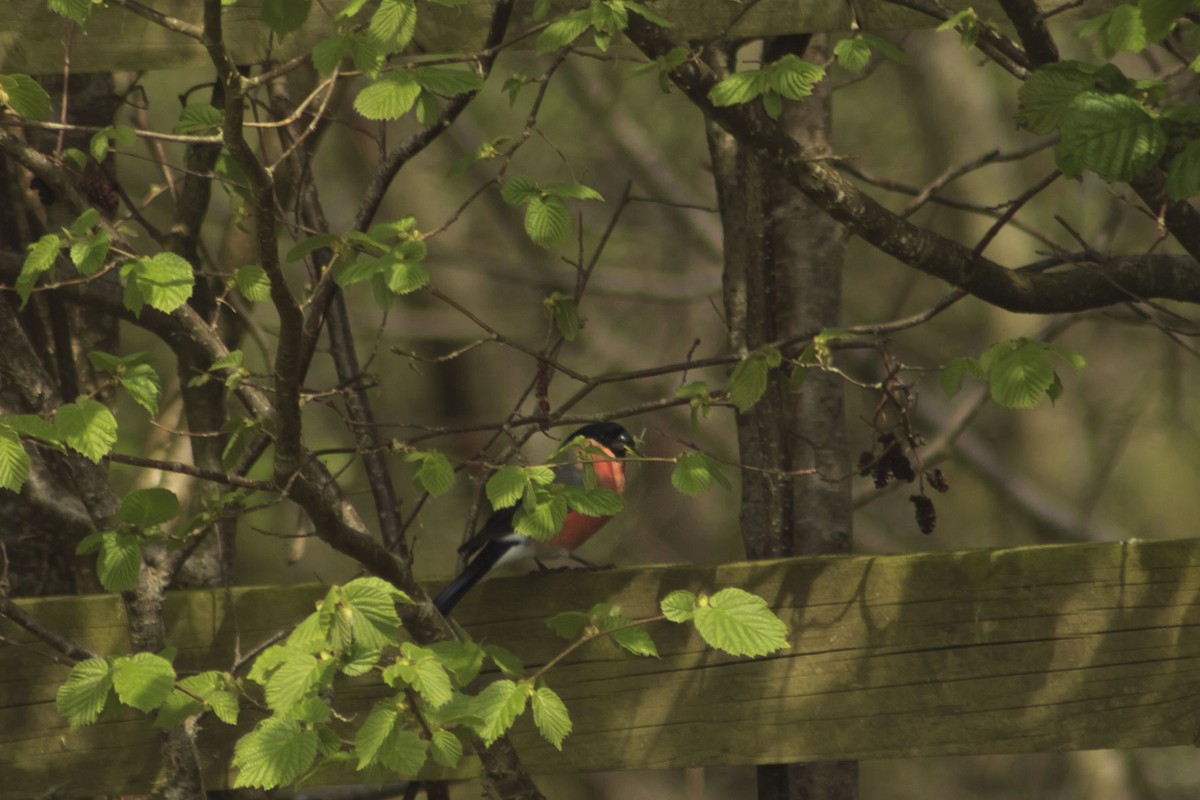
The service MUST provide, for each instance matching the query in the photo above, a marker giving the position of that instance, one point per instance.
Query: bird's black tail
(478, 566)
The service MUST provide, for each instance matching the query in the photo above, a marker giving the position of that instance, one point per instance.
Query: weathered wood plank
(33, 40)
(1010, 651)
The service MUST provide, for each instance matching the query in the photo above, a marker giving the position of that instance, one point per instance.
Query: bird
(497, 543)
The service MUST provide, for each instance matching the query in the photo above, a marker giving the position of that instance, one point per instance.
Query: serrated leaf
(679, 606)
(541, 519)
(748, 382)
(445, 748)
(285, 16)
(955, 370)
(88, 427)
(596, 502)
(89, 255)
(1159, 16)
(75, 10)
(563, 32)
(390, 97)
(886, 49)
(404, 276)
(509, 664)
(276, 752)
(1049, 92)
(695, 473)
(328, 53)
(429, 676)
(462, 660)
(740, 87)
(374, 732)
(14, 461)
(519, 191)
(547, 220)
(853, 54)
(575, 191)
(551, 717)
(1019, 374)
(82, 697)
(448, 81)
(84, 222)
(394, 22)
(1111, 135)
(434, 472)
(739, 623)
(24, 96)
(296, 677)
(31, 425)
(793, 77)
(506, 486)
(565, 314)
(568, 624)
(40, 258)
(163, 281)
(634, 640)
(404, 752)
(1183, 173)
(145, 508)
(200, 119)
(252, 281)
(498, 707)
(143, 680)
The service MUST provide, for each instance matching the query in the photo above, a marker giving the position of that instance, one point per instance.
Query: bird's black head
(609, 434)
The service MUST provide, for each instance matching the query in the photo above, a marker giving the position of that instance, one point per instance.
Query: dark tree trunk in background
(783, 261)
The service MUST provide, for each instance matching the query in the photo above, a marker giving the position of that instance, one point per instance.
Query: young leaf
(547, 220)
(509, 664)
(146, 508)
(596, 502)
(1111, 135)
(445, 748)
(575, 191)
(1049, 92)
(507, 486)
(679, 606)
(1183, 173)
(563, 32)
(88, 427)
(143, 680)
(14, 461)
(40, 258)
(695, 473)
(740, 87)
(462, 660)
(633, 640)
(955, 370)
(285, 16)
(551, 717)
(82, 697)
(434, 473)
(748, 382)
(390, 97)
(276, 752)
(75, 10)
(853, 54)
(1019, 373)
(297, 677)
(24, 96)
(252, 281)
(394, 22)
(739, 623)
(328, 53)
(448, 81)
(543, 518)
(565, 314)
(369, 605)
(568, 624)
(164, 281)
(88, 255)
(519, 191)
(200, 119)
(498, 707)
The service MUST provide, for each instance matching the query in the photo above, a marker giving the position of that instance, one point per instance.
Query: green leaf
(739, 623)
(120, 560)
(200, 119)
(445, 748)
(143, 680)
(328, 53)
(285, 16)
(547, 220)
(434, 473)
(24, 96)
(565, 314)
(1073, 358)
(404, 752)
(519, 191)
(374, 731)
(369, 605)
(507, 486)
(42, 254)
(89, 254)
(695, 473)
(402, 275)
(252, 281)
(212, 687)
(88, 427)
(1019, 373)
(298, 676)
(448, 81)
(462, 660)
(428, 677)
(793, 77)
(394, 22)
(740, 87)
(368, 53)
(276, 752)
(551, 717)
(568, 624)
(14, 461)
(853, 54)
(1159, 16)
(1183, 173)
(1049, 91)
(31, 425)
(543, 518)
(84, 222)
(390, 97)
(164, 281)
(75, 10)
(498, 707)
(563, 32)
(82, 697)
(748, 381)
(634, 640)
(679, 606)
(505, 660)
(575, 191)
(1120, 30)
(596, 502)
(146, 508)
(885, 48)
(958, 368)
(1112, 135)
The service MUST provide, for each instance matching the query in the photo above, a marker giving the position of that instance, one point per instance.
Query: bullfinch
(497, 543)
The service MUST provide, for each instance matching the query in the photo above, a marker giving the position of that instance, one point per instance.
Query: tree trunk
(783, 260)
